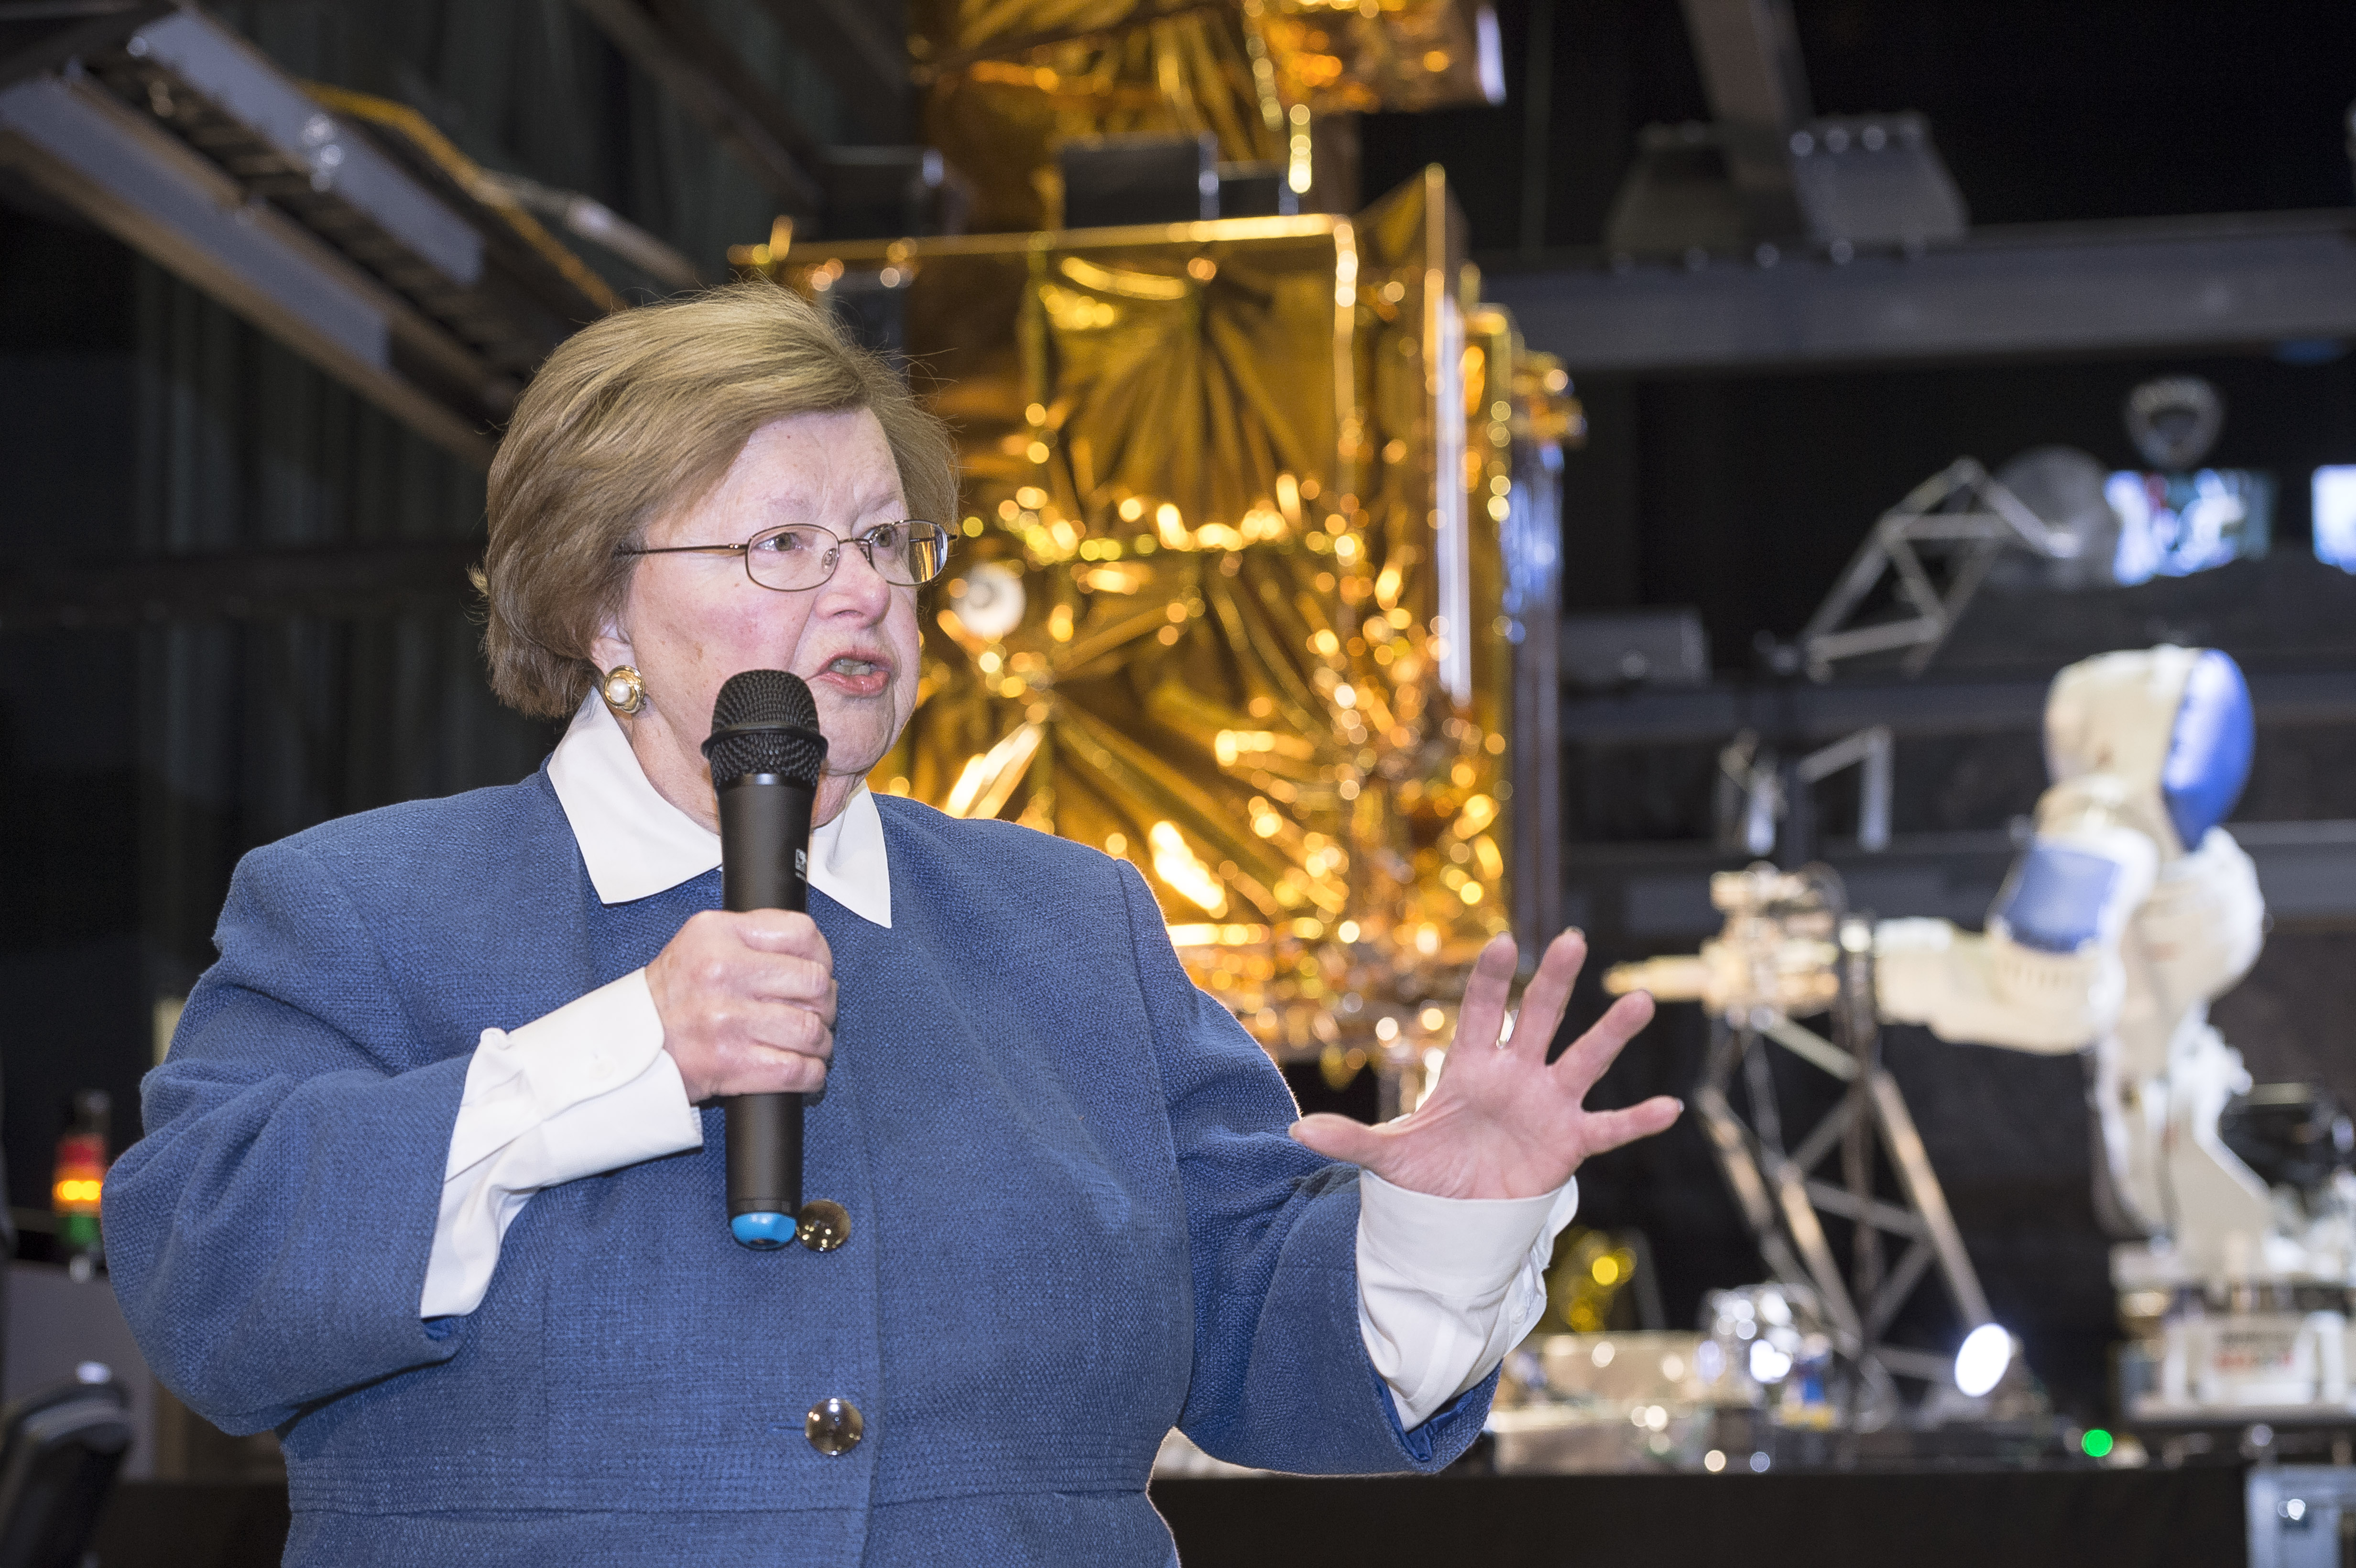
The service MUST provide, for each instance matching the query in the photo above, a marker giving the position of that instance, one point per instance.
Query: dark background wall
(2046, 114)
(70, 949)
(141, 762)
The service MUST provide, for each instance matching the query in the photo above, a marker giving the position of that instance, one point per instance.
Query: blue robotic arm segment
(2208, 750)
(2056, 897)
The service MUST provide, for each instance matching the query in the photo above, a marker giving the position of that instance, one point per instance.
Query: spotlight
(1768, 1364)
(1980, 1365)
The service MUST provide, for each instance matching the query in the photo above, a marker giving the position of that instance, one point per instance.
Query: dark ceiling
(2046, 112)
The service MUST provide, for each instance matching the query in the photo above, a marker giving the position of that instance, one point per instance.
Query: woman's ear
(611, 645)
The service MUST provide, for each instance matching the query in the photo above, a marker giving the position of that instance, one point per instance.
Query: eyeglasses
(802, 556)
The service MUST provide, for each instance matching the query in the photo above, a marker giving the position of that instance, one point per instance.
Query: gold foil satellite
(1272, 81)
(1226, 600)
(1230, 594)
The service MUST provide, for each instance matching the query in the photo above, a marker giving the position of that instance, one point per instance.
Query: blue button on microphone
(763, 1233)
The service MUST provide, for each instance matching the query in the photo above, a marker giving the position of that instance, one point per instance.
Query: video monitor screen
(2173, 525)
(2335, 516)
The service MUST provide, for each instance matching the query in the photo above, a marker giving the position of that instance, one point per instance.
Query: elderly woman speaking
(432, 1182)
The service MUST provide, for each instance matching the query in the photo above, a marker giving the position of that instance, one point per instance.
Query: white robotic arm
(2128, 912)
(2130, 905)
(2048, 974)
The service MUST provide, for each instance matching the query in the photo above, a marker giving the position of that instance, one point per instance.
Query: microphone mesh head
(766, 721)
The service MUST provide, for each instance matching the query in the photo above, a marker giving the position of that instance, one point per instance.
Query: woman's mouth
(856, 676)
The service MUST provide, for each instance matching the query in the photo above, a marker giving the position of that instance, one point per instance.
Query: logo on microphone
(801, 863)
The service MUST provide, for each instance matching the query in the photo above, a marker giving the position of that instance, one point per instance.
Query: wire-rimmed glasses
(802, 556)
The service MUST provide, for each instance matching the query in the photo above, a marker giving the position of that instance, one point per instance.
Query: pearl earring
(624, 689)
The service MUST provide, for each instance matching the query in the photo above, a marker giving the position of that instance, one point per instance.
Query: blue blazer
(1076, 1221)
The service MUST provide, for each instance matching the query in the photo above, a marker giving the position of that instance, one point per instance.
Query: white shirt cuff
(1447, 1285)
(585, 1089)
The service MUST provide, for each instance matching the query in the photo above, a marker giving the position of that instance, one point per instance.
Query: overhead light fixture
(1981, 1363)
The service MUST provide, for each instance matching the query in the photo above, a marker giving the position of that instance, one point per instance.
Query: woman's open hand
(747, 1003)
(1501, 1123)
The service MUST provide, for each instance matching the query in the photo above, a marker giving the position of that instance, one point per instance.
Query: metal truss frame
(1756, 790)
(1961, 516)
(1784, 1201)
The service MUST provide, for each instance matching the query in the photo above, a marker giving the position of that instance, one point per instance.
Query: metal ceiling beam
(119, 169)
(241, 585)
(867, 62)
(1750, 56)
(2169, 284)
(1750, 65)
(1667, 715)
(1660, 892)
(37, 38)
(673, 41)
(375, 260)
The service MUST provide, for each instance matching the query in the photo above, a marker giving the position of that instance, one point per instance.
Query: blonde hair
(641, 414)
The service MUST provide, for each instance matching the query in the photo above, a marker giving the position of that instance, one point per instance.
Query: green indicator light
(2096, 1443)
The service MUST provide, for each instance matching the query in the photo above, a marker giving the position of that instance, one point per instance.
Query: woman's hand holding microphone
(747, 1004)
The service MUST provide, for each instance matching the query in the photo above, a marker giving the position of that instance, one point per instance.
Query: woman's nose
(856, 578)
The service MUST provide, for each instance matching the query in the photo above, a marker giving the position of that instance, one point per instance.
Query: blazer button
(823, 1225)
(833, 1427)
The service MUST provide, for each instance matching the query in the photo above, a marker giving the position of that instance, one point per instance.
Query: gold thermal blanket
(1226, 600)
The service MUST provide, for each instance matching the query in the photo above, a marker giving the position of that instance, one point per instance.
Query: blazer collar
(637, 843)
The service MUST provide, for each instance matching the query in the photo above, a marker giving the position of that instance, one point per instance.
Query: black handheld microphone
(765, 753)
